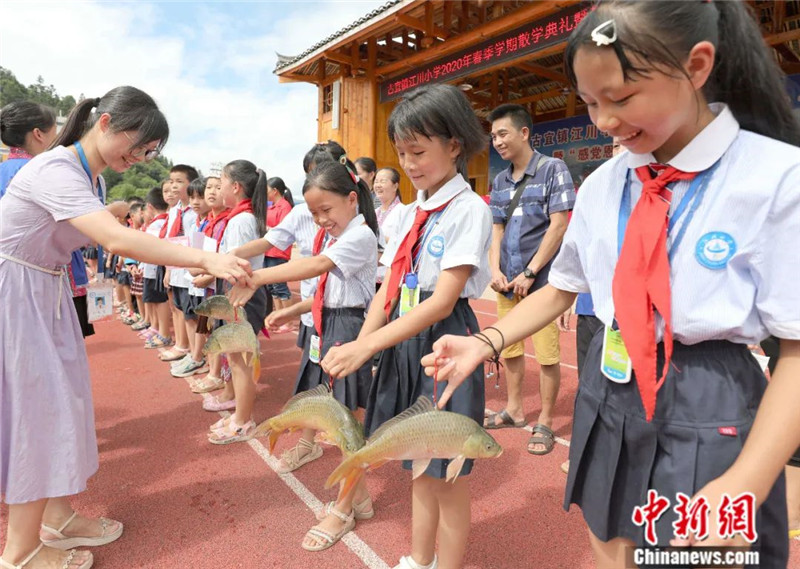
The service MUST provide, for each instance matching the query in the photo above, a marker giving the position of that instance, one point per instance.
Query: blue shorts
(277, 290)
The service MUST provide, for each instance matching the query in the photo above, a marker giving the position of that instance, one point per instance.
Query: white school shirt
(188, 278)
(461, 236)
(154, 229)
(298, 227)
(177, 277)
(735, 273)
(351, 283)
(389, 230)
(242, 228)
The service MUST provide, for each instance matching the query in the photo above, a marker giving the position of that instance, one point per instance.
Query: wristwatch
(528, 274)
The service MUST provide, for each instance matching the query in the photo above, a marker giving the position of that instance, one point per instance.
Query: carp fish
(420, 433)
(220, 308)
(316, 409)
(233, 338)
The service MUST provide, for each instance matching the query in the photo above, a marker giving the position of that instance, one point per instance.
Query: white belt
(59, 273)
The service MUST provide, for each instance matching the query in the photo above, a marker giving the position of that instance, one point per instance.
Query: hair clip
(343, 162)
(605, 33)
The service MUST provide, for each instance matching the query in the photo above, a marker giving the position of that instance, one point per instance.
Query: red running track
(188, 504)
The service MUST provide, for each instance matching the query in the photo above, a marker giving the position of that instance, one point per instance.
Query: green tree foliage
(136, 181)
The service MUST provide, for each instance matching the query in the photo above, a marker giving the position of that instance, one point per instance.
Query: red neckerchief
(177, 226)
(319, 295)
(213, 220)
(404, 258)
(15, 153)
(244, 206)
(641, 281)
(156, 218)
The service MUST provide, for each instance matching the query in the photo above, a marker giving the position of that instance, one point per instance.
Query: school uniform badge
(715, 249)
(436, 246)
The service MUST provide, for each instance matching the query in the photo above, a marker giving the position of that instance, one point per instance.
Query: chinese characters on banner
(521, 41)
(733, 516)
(575, 140)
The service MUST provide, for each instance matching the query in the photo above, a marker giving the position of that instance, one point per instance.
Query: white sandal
(408, 562)
(63, 542)
(326, 539)
(86, 565)
(361, 511)
(292, 459)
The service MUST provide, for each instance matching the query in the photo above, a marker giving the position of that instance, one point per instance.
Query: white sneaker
(188, 367)
(180, 362)
(409, 563)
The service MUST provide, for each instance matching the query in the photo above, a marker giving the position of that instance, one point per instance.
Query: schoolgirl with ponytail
(701, 225)
(344, 256)
(244, 190)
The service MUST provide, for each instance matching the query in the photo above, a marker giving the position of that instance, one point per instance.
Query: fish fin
(210, 324)
(454, 468)
(274, 435)
(345, 469)
(422, 405)
(377, 464)
(240, 314)
(419, 466)
(256, 367)
(321, 389)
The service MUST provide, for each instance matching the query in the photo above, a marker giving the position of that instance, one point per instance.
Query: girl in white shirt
(696, 277)
(344, 257)
(244, 188)
(435, 132)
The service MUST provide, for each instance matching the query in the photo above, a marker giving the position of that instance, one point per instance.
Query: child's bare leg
(609, 554)
(424, 518)
(243, 387)
(454, 522)
(163, 313)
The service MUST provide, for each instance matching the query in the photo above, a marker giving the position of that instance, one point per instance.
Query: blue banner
(574, 140)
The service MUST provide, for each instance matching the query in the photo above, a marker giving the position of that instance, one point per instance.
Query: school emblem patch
(715, 249)
(436, 246)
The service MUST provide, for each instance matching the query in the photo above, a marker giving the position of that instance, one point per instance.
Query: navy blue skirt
(339, 326)
(400, 380)
(616, 455)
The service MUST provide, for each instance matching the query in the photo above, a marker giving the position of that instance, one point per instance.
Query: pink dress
(48, 446)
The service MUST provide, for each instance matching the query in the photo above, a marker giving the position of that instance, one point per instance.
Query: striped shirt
(297, 227)
(548, 188)
(735, 273)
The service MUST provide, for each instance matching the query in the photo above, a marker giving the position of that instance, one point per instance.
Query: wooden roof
(402, 35)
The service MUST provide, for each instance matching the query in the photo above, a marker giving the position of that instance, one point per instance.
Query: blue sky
(208, 64)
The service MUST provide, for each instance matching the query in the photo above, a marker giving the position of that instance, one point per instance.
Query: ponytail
(278, 184)
(130, 109)
(254, 183)
(76, 124)
(747, 78)
(340, 178)
(259, 198)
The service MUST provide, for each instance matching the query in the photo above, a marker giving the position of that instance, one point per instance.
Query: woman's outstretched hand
(230, 268)
(453, 359)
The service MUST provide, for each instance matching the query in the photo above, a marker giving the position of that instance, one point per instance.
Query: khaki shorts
(545, 342)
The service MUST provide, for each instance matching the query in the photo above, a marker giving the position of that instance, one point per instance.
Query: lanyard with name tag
(615, 363)
(409, 291)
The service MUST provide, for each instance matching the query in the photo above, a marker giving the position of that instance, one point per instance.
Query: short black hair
(196, 187)
(190, 172)
(155, 198)
(519, 115)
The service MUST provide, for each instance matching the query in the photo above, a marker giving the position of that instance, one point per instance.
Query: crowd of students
(715, 428)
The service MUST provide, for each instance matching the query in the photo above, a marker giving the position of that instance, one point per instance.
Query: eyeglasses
(143, 153)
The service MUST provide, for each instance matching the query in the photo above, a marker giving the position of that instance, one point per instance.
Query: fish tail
(273, 437)
(347, 470)
(256, 367)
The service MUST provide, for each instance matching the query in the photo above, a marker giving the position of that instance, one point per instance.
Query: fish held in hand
(421, 433)
(220, 308)
(234, 338)
(316, 409)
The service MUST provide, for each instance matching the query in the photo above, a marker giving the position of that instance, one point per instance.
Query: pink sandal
(232, 433)
(212, 403)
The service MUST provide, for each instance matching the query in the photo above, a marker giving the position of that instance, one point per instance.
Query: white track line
(351, 540)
